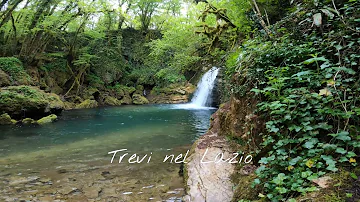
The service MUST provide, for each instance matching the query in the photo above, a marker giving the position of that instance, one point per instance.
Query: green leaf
(315, 59)
(354, 176)
(340, 150)
(350, 154)
(279, 180)
(344, 136)
(311, 143)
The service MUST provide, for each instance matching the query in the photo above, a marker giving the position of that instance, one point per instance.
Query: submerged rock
(87, 104)
(139, 99)
(47, 120)
(28, 101)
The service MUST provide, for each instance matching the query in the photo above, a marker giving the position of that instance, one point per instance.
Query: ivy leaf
(330, 162)
(281, 190)
(311, 143)
(343, 159)
(332, 168)
(344, 136)
(279, 180)
(294, 160)
(315, 59)
(340, 150)
(350, 154)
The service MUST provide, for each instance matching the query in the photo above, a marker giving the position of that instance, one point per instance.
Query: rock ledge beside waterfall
(209, 182)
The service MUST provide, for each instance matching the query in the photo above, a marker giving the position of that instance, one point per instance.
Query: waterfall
(202, 95)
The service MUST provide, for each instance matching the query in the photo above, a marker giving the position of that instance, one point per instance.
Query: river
(69, 160)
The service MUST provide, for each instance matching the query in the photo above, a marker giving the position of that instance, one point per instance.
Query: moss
(139, 99)
(87, 104)
(4, 79)
(90, 92)
(28, 121)
(46, 120)
(341, 185)
(127, 100)
(14, 68)
(111, 101)
(5, 119)
(32, 102)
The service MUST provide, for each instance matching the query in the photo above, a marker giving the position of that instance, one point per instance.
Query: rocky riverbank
(32, 93)
(222, 181)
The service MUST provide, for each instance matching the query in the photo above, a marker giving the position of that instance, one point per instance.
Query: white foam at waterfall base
(202, 96)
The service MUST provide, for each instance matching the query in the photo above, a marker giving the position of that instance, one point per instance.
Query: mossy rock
(111, 101)
(28, 101)
(69, 105)
(128, 90)
(5, 119)
(46, 120)
(87, 104)
(90, 93)
(14, 68)
(4, 79)
(126, 100)
(139, 99)
(29, 121)
(139, 89)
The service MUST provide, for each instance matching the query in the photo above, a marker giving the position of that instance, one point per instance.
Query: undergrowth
(308, 87)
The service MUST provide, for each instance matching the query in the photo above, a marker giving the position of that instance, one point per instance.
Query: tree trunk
(7, 14)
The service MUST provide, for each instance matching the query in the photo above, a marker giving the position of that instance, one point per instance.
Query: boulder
(127, 100)
(173, 94)
(69, 105)
(111, 101)
(139, 99)
(5, 119)
(46, 120)
(139, 89)
(13, 67)
(28, 121)
(4, 79)
(87, 104)
(29, 102)
(91, 93)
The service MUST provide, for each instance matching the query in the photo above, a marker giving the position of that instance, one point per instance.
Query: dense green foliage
(309, 87)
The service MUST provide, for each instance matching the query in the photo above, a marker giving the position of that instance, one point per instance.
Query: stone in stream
(109, 192)
(15, 180)
(91, 192)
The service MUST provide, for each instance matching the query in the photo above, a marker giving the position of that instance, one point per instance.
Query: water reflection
(129, 126)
